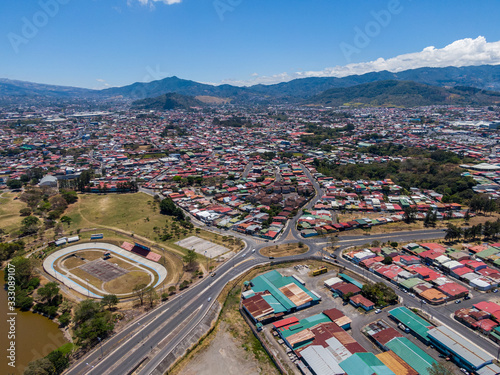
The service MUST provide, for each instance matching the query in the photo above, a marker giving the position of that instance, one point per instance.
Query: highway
(168, 324)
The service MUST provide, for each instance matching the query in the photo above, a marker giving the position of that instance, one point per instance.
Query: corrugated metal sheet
(365, 363)
(462, 347)
(411, 354)
(411, 320)
(321, 361)
(396, 364)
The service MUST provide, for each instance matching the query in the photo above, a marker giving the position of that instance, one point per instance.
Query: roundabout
(96, 269)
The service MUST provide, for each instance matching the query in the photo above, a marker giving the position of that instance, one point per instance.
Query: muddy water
(36, 336)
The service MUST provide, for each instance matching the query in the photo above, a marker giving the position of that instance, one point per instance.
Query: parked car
(378, 311)
(495, 290)
(467, 297)
(458, 301)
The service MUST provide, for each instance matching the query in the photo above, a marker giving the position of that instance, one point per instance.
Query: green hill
(167, 101)
(403, 94)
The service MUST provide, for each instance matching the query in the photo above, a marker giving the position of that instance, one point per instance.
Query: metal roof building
(287, 291)
(411, 354)
(396, 364)
(463, 352)
(489, 370)
(320, 361)
(364, 363)
(418, 326)
(349, 279)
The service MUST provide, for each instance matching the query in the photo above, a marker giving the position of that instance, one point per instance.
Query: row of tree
(490, 229)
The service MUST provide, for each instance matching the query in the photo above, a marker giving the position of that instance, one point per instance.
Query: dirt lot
(284, 250)
(231, 348)
(225, 355)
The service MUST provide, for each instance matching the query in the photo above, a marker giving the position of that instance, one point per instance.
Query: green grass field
(10, 219)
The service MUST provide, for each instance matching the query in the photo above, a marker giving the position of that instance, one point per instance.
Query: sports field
(101, 268)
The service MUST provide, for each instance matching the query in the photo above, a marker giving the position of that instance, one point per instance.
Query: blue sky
(99, 43)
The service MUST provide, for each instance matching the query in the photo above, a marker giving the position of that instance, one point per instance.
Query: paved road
(173, 320)
(133, 345)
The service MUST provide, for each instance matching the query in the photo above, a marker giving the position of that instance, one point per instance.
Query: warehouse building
(273, 295)
(396, 364)
(417, 325)
(365, 363)
(461, 351)
(411, 354)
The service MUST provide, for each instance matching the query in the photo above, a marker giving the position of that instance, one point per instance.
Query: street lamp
(100, 345)
(142, 333)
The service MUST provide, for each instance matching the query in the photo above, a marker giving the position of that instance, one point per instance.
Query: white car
(378, 311)
(209, 299)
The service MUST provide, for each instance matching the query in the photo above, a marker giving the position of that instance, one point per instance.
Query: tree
(172, 289)
(379, 293)
(42, 366)
(151, 296)
(452, 232)
(24, 271)
(346, 296)
(190, 258)
(387, 260)
(430, 218)
(25, 211)
(410, 214)
(30, 225)
(10, 248)
(86, 310)
(168, 207)
(99, 326)
(441, 368)
(59, 360)
(14, 184)
(109, 301)
(67, 220)
(140, 291)
(69, 196)
(48, 292)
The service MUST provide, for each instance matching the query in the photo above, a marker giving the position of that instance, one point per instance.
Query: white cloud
(151, 2)
(463, 52)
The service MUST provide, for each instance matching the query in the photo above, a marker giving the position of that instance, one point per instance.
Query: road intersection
(169, 323)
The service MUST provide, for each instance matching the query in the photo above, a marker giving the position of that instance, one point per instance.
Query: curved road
(171, 321)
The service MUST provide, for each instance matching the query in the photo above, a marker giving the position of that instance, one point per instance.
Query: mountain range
(311, 90)
(392, 93)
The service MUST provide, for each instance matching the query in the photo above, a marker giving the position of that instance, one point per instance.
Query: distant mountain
(21, 88)
(180, 86)
(168, 101)
(403, 94)
(485, 77)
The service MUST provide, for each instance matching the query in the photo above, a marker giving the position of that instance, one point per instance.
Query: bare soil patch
(225, 355)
